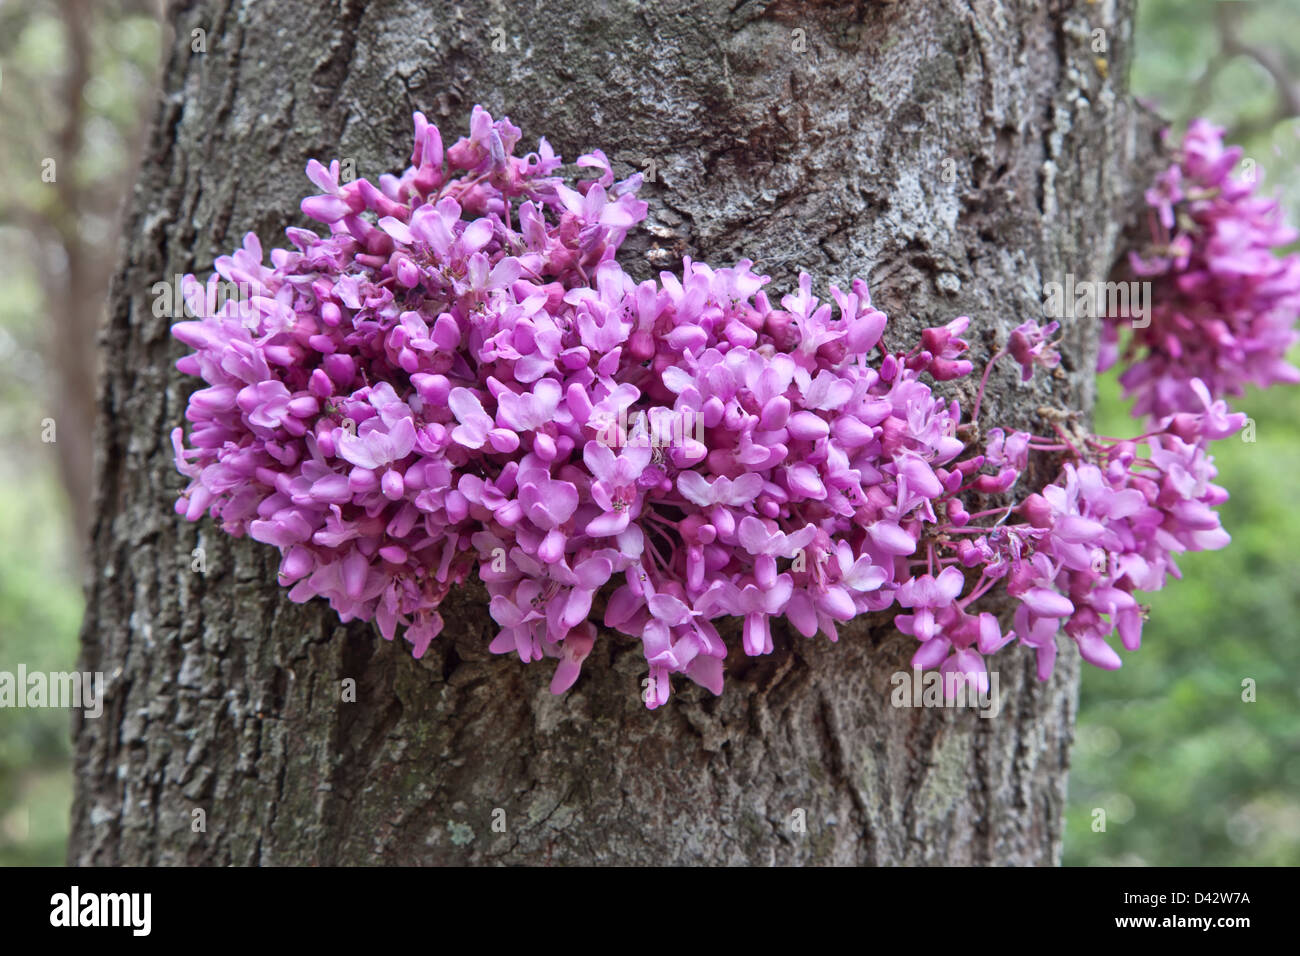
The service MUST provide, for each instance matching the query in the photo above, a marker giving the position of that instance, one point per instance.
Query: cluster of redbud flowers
(460, 377)
(1225, 303)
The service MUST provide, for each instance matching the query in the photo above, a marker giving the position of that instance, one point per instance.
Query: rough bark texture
(823, 150)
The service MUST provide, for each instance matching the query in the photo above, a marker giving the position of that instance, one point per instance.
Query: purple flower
(1030, 345)
(375, 446)
(476, 426)
(1223, 303)
(573, 651)
(927, 595)
(549, 504)
(615, 489)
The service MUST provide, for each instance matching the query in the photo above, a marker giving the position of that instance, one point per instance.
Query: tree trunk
(957, 158)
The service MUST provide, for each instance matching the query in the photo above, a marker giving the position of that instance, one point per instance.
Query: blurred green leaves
(1210, 779)
(40, 610)
(40, 221)
(1187, 772)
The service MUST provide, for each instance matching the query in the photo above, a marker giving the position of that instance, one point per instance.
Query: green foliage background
(40, 588)
(1185, 770)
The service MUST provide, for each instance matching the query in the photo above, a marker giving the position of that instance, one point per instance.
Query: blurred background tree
(76, 81)
(1186, 771)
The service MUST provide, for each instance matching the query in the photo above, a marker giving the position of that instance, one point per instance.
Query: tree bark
(956, 155)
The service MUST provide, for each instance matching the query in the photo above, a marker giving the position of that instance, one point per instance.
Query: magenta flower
(374, 446)
(574, 650)
(1030, 345)
(927, 595)
(477, 426)
(615, 489)
(758, 606)
(1224, 303)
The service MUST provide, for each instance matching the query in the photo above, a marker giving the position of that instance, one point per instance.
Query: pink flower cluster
(460, 376)
(1224, 303)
